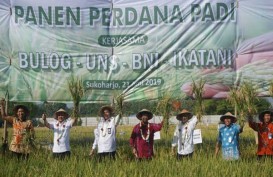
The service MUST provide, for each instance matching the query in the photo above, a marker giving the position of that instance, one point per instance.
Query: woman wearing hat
(183, 134)
(61, 128)
(228, 138)
(142, 137)
(105, 134)
(23, 130)
(265, 133)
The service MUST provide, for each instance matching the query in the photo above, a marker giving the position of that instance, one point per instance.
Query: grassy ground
(203, 163)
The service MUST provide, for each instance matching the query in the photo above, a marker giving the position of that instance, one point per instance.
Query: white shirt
(183, 137)
(105, 135)
(61, 136)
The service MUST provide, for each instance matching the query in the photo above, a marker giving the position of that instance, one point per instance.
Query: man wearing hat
(183, 134)
(105, 134)
(265, 133)
(142, 137)
(228, 138)
(23, 130)
(61, 128)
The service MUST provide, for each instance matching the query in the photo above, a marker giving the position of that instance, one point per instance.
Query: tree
(221, 106)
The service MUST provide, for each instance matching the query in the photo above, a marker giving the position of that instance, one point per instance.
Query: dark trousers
(61, 155)
(186, 156)
(20, 156)
(264, 157)
(110, 155)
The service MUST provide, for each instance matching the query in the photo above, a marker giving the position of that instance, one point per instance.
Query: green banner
(143, 49)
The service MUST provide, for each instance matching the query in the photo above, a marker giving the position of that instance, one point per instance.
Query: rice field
(203, 163)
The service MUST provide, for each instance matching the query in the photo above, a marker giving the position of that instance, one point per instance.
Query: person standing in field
(183, 134)
(265, 134)
(228, 138)
(105, 134)
(142, 137)
(61, 128)
(23, 131)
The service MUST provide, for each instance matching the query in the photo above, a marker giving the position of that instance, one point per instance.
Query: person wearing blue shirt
(228, 138)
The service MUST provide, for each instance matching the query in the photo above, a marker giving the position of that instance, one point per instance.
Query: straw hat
(184, 113)
(144, 111)
(26, 110)
(261, 115)
(109, 108)
(57, 113)
(228, 115)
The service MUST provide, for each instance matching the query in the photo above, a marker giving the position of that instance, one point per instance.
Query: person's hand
(173, 151)
(92, 152)
(44, 117)
(3, 102)
(135, 152)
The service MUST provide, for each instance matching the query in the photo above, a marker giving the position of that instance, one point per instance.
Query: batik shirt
(265, 137)
(228, 137)
(23, 134)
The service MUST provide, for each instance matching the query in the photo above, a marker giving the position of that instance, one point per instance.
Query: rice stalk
(250, 96)
(76, 90)
(197, 91)
(243, 99)
(164, 108)
(119, 104)
(271, 89)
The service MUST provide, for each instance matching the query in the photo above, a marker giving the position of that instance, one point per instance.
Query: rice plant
(203, 163)
(118, 102)
(271, 89)
(76, 90)
(197, 91)
(243, 99)
(164, 108)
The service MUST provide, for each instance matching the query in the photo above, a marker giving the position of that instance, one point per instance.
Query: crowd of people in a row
(142, 136)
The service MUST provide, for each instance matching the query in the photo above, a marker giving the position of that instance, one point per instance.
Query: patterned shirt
(143, 140)
(23, 134)
(229, 138)
(265, 137)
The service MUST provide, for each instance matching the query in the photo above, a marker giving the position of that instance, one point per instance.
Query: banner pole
(5, 134)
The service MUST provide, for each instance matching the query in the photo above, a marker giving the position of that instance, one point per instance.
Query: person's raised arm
(74, 121)
(193, 121)
(117, 120)
(3, 112)
(45, 121)
(251, 123)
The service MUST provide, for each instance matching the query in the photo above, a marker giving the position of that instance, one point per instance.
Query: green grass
(203, 163)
